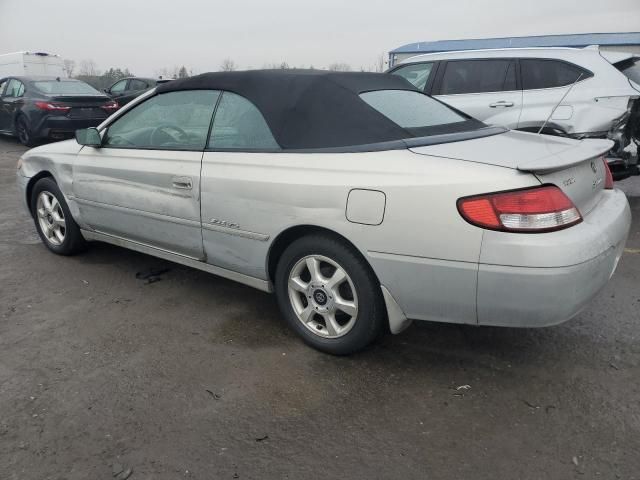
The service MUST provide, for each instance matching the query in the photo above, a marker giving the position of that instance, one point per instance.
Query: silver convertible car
(360, 201)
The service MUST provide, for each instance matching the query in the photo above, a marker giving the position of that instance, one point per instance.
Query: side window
(238, 124)
(3, 83)
(417, 74)
(119, 87)
(135, 84)
(15, 88)
(478, 76)
(169, 121)
(537, 73)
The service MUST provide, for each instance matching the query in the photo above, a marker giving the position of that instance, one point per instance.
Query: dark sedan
(126, 89)
(35, 109)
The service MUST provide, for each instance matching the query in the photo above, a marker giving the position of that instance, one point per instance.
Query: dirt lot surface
(197, 377)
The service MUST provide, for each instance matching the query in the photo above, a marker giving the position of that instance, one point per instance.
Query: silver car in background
(362, 202)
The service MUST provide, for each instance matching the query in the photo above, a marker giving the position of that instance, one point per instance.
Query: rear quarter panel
(421, 238)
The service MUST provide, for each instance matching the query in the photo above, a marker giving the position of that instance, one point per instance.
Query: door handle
(501, 103)
(183, 183)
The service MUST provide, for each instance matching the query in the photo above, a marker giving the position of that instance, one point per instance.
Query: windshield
(65, 87)
(412, 110)
(631, 68)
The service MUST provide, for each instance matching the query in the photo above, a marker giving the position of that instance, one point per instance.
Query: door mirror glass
(89, 137)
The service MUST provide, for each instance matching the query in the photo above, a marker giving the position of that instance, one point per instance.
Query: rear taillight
(608, 180)
(111, 106)
(539, 209)
(53, 107)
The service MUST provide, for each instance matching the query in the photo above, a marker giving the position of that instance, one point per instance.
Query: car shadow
(423, 345)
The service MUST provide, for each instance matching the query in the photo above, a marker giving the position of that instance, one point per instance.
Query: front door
(143, 184)
(485, 89)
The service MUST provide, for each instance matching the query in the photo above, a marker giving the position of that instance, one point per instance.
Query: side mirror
(106, 90)
(89, 137)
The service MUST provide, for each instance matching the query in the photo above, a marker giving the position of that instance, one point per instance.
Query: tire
(321, 312)
(56, 227)
(23, 132)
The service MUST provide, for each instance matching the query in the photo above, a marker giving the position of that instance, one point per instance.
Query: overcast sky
(146, 36)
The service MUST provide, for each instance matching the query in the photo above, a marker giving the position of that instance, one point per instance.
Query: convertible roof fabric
(309, 109)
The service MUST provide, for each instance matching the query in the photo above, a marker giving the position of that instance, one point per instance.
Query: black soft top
(312, 109)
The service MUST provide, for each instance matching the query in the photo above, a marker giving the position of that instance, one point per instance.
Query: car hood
(520, 150)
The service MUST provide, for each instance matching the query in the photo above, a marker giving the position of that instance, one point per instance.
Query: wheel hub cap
(320, 297)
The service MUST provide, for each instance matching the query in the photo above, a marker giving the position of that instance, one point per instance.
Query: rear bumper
(528, 290)
(60, 127)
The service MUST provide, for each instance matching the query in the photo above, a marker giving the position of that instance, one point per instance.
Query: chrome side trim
(258, 283)
(235, 231)
(142, 213)
(398, 321)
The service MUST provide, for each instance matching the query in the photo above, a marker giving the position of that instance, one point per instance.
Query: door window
(538, 73)
(15, 88)
(3, 83)
(478, 76)
(169, 121)
(119, 87)
(417, 74)
(239, 125)
(135, 84)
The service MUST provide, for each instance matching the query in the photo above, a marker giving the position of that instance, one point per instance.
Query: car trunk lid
(574, 166)
(89, 106)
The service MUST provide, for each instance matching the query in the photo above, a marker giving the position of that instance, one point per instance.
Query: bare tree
(69, 67)
(228, 65)
(88, 68)
(339, 67)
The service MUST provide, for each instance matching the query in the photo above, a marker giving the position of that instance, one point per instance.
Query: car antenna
(558, 104)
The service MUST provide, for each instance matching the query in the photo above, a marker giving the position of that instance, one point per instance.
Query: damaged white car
(571, 92)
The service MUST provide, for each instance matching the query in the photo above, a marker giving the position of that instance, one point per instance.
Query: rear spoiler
(585, 150)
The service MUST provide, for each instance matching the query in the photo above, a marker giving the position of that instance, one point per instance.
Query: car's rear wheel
(23, 131)
(55, 225)
(329, 295)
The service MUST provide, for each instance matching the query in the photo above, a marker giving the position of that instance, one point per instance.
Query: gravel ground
(197, 377)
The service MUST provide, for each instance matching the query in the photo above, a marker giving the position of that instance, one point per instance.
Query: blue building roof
(576, 40)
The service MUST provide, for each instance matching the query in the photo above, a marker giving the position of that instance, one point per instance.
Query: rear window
(538, 73)
(410, 109)
(65, 87)
(631, 68)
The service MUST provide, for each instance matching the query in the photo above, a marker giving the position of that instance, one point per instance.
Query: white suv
(519, 88)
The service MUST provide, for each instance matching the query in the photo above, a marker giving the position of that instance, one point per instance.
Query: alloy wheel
(323, 296)
(51, 218)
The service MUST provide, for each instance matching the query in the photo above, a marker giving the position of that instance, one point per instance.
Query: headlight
(19, 166)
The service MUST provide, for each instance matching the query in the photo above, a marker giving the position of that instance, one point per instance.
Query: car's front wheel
(55, 225)
(329, 295)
